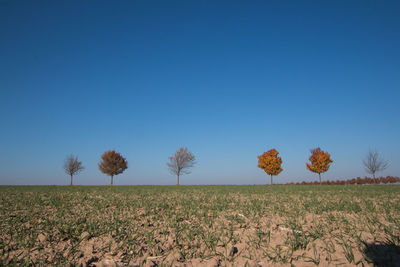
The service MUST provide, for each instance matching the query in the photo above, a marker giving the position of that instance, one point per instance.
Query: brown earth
(201, 226)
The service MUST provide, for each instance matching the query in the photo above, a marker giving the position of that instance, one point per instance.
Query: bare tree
(181, 162)
(72, 166)
(112, 163)
(373, 162)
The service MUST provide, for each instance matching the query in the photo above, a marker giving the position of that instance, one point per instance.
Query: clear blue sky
(228, 79)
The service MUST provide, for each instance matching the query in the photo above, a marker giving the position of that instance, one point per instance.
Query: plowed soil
(200, 225)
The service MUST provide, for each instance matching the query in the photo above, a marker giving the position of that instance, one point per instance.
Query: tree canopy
(270, 162)
(112, 163)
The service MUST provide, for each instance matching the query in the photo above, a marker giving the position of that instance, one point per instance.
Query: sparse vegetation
(181, 162)
(72, 166)
(193, 225)
(374, 162)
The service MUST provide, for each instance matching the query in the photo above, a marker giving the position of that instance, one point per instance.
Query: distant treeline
(358, 180)
(113, 163)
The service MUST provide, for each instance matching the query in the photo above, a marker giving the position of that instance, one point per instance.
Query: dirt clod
(234, 251)
(85, 236)
(41, 238)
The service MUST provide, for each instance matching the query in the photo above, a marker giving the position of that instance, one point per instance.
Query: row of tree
(113, 163)
(320, 161)
(358, 180)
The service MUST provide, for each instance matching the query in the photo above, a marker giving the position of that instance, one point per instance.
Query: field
(200, 225)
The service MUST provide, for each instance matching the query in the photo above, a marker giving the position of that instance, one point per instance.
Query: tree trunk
(320, 182)
(178, 179)
(271, 180)
(112, 177)
(71, 180)
(373, 174)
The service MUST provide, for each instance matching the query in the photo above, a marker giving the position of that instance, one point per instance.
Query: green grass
(277, 224)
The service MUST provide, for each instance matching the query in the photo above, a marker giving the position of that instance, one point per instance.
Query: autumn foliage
(270, 162)
(112, 163)
(320, 161)
(356, 181)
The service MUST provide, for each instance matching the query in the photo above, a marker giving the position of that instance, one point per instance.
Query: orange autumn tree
(270, 162)
(320, 161)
